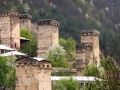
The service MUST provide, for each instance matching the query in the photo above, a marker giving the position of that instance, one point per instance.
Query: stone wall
(15, 30)
(5, 29)
(25, 21)
(9, 29)
(34, 29)
(32, 74)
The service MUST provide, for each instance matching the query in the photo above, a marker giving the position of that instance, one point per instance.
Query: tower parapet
(25, 16)
(43, 64)
(10, 14)
(89, 33)
(81, 46)
(5, 14)
(14, 14)
(48, 22)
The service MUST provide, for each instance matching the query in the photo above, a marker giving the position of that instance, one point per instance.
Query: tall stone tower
(10, 29)
(87, 50)
(32, 74)
(25, 21)
(92, 36)
(48, 35)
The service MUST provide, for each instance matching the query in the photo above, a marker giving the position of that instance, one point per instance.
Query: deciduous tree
(67, 84)
(56, 54)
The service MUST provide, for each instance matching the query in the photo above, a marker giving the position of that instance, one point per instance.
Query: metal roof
(78, 78)
(23, 38)
(16, 53)
(39, 59)
(3, 47)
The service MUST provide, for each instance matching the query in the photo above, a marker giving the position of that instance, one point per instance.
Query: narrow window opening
(43, 65)
(47, 66)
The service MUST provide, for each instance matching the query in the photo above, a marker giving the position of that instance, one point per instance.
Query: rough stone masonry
(88, 50)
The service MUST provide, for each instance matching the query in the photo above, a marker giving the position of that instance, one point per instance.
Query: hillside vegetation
(76, 15)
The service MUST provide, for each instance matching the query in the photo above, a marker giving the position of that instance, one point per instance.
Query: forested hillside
(74, 16)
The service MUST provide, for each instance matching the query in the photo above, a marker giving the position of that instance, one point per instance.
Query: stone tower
(87, 50)
(84, 56)
(32, 74)
(48, 35)
(92, 36)
(25, 21)
(10, 29)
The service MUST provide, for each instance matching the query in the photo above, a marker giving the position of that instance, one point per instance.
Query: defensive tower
(84, 56)
(92, 36)
(10, 29)
(48, 35)
(87, 50)
(32, 74)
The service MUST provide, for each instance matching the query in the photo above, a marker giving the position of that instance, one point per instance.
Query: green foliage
(26, 8)
(14, 8)
(25, 33)
(7, 72)
(62, 42)
(4, 68)
(67, 84)
(46, 3)
(92, 70)
(70, 46)
(30, 47)
(62, 73)
(97, 85)
(110, 78)
(112, 72)
(10, 78)
(56, 54)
